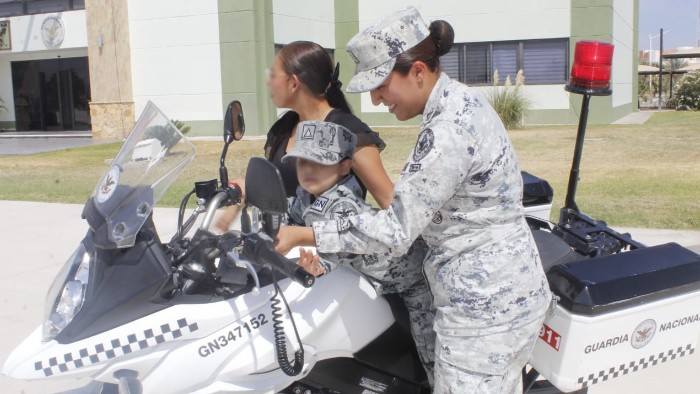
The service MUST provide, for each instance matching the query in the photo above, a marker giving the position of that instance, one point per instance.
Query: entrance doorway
(51, 94)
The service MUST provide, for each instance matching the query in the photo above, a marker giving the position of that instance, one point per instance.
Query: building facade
(191, 57)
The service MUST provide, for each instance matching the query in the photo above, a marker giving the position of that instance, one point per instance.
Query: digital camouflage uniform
(461, 190)
(328, 143)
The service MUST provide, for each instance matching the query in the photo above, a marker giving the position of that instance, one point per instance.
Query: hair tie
(335, 82)
(436, 40)
(434, 34)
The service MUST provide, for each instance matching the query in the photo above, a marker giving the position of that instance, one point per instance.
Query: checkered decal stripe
(635, 366)
(114, 348)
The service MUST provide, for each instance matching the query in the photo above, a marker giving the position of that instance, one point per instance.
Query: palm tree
(675, 64)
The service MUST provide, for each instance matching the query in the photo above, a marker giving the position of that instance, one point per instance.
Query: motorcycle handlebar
(261, 250)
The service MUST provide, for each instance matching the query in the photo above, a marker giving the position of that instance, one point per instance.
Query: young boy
(327, 191)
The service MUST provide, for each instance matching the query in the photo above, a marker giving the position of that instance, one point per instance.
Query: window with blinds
(542, 61)
(477, 64)
(505, 60)
(10, 8)
(545, 61)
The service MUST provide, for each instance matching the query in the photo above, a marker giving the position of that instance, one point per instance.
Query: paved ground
(36, 239)
(638, 117)
(24, 143)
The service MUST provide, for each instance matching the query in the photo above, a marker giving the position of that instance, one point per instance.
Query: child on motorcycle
(328, 191)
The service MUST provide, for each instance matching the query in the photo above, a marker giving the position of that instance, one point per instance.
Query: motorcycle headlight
(67, 293)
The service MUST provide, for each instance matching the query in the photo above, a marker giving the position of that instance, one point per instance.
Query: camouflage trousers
(404, 276)
(418, 302)
(489, 363)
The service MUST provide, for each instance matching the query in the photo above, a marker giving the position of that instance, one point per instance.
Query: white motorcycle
(211, 313)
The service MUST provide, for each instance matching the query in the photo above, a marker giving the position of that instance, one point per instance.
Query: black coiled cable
(281, 337)
(181, 215)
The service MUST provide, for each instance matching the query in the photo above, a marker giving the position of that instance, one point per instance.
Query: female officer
(460, 189)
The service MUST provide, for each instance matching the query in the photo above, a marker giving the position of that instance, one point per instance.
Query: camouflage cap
(374, 49)
(322, 142)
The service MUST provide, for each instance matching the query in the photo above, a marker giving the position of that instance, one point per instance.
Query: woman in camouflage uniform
(461, 190)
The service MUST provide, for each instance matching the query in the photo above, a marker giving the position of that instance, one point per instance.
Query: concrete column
(247, 48)
(109, 55)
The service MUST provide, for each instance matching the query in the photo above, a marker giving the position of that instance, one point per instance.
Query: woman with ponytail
(461, 190)
(303, 79)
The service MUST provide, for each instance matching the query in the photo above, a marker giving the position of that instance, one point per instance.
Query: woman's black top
(278, 137)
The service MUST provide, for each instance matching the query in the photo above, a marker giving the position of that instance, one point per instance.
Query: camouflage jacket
(389, 275)
(461, 189)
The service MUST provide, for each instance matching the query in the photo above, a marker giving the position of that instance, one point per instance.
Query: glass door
(51, 94)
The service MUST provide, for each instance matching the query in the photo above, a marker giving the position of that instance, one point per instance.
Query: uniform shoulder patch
(425, 143)
(343, 209)
(320, 204)
(308, 132)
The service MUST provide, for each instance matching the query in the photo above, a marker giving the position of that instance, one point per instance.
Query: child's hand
(311, 263)
(285, 239)
(290, 236)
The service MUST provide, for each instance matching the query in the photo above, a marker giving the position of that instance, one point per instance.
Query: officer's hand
(310, 262)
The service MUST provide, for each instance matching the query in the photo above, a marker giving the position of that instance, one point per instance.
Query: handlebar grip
(302, 277)
(261, 250)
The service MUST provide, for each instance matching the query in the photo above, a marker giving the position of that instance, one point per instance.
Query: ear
(345, 166)
(418, 70)
(295, 82)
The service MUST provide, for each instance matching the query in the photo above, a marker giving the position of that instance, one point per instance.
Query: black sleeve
(365, 135)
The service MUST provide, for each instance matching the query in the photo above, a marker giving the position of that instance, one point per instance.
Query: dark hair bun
(443, 35)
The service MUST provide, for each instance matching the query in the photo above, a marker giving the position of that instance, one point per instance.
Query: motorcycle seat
(553, 250)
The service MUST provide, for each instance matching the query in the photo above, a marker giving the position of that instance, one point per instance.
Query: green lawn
(632, 175)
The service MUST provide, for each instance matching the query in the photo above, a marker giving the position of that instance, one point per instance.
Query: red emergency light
(592, 67)
(590, 76)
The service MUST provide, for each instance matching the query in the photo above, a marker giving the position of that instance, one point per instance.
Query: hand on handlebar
(224, 221)
(310, 262)
(290, 236)
(258, 248)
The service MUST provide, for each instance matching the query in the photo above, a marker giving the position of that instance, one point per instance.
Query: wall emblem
(52, 31)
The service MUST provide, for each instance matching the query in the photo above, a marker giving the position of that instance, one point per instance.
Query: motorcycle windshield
(149, 161)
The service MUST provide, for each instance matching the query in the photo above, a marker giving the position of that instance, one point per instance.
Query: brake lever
(229, 243)
(233, 255)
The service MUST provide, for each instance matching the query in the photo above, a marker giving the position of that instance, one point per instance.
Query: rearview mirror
(234, 123)
(264, 188)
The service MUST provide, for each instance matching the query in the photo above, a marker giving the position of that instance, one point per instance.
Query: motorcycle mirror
(234, 128)
(264, 188)
(234, 123)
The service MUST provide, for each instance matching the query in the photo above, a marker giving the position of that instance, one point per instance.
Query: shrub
(509, 101)
(687, 93)
(162, 132)
(184, 129)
